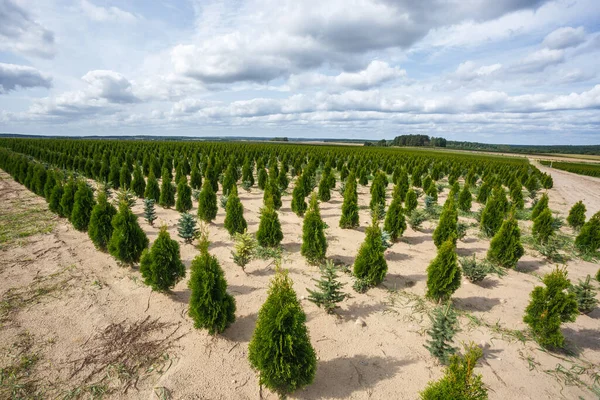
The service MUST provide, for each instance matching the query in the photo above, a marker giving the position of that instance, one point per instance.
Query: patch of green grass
(21, 219)
(16, 378)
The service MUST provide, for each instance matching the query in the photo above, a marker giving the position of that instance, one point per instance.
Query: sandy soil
(70, 292)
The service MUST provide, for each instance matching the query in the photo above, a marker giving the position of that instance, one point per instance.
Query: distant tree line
(529, 149)
(410, 140)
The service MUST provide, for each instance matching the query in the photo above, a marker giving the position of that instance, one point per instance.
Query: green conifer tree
(395, 222)
(269, 228)
(245, 248)
(234, 217)
(576, 217)
(444, 325)
(280, 349)
(540, 206)
(314, 243)
(585, 294)
(184, 196)
(516, 196)
(161, 265)
(325, 188)
(349, 217)
(542, 226)
(484, 192)
(549, 307)
(410, 203)
(186, 228)
(443, 273)
(492, 216)
(588, 240)
(100, 228)
(138, 185)
(370, 264)
(447, 227)
(465, 199)
(152, 189)
(377, 203)
(128, 240)
(263, 177)
(124, 177)
(207, 202)
(68, 198)
(506, 248)
(149, 211)
(167, 191)
(196, 178)
(298, 194)
(55, 198)
(82, 206)
(328, 290)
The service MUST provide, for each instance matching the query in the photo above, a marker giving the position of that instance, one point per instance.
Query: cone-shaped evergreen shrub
(444, 325)
(245, 248)
(161, 265)
(549, 307)
(370, 264)
(272, 192)
(542, 226)
(378, 192)
(395, 222)
(516, 196)
(55, 198)
(49, 185)
(269, 228)
(410, 203)
(447, 227)
(349, 217)
(540, 206)
(325, 188)
(207, 202)
(588, 240)
(506, 248)
(443, 273)
(492, 216)
(576, 217)
(82, 206)
(184, 196)
(211, 307)
(128, 240)
(484, 192)
(68, 198)
(465, 199)
(328, 291)
(149, 211)
(263, 177)
(167, 191)
(124, 177)
(314, 243)
(138, 185)
(585, 294)
(152, 189)
(196, 178)
(234, 217)
(100, 228)
(280, 349)
(298, 194)
(459, 381)
(186, 227)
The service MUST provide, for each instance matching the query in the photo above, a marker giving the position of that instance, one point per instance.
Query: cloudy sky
(499, 71)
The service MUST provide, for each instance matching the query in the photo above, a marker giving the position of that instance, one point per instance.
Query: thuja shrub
(542, 226)
(298, 194)
(184, 196)
(378, 192)
(55, 198)
(269, 232)
(349, 217)
(465, 199)
(138, 185)
(100, 228)
(211, 307)
(506, 248)
(395, 221)
(128, 240)
(576, 217)
(207, 202)
(492, 216)
(68, 198)
(152, 189)
(314, 243)
(443, 273)
(550, 306)
(280, 349)
(161, 265)
(234, 213)
(540, 206)
(82, 206)
(447, 227)
(410, 203)
(588, 240)
(167, 191)
(370, 264)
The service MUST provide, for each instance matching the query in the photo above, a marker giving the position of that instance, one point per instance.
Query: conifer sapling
(506, 248)
(585, 294)
(149, 211)
(161, 265)
(443, 273)
(100, 228)
(128, 240)
(186, 228)
(576, 217)
(234, 217)
(444, 325)
(328, 291)
(370, 264)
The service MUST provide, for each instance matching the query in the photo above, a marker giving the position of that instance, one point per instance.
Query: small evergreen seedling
(576, 217)
(186, 228)
(100, 228)
(473, 270)
(444, 325)
(542, 226)
(443, 273)
(128, 240)
(245, 248)
(269, 228)
(585, 294)
(395, 222)
(280, 349)
(161, 265)
(447, 227)
(506, 248)
(459, 381)
(588, 240)
(410, 203)
(549, 307)
(349, 218)
(149, 211)
(207, 202)
(234, 217)
(328, 291)
(378, 193)
(370, 264)
(211, 307)
(82, 206)
(540, 206)
(125, 196)
(314, 243)
(152, 189)
(184, 196)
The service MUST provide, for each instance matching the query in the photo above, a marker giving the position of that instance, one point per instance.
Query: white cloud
(20, 33)
(539, 61)
(563, 38)
(109, 85)
(106, 14)
(14, 76)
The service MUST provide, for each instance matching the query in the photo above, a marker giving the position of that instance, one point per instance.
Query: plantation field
(589, 169)
(75, 323)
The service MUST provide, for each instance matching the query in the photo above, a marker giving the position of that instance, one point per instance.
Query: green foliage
(416, 219)
(298, 194)
(152, 189)
(124, 177)
(68, 198)
(549, 307)
(516, 196)
(82, 206)
(598, 275)
(465, 199)
(378, 192)
(272, 194)
(207, 202)
(492, 216)
(447, 227)
(262, 178)
(395, 222)
(161, 265)
(475, 271)
(149, 211)
(269, 228)
(196, 178)
(444, 325)
(211, 307)
(128, 240)
(576, 217)
(55, 198)
(410, 203)
(167, 191)
(234, 217)
(186, 228)
(540, 206)
(585, 294)
(443, 273)
(370, 263)
(459, 381)
(184, 197)
(100, 228)
(349, 217)
(245, 248)
(325, 187)
(280, 349)
(314, 243)
(506, 248)
(588, 240)
(484, 192)
(542, 226)
(138, 185)
(125, 196)
(328, 291)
